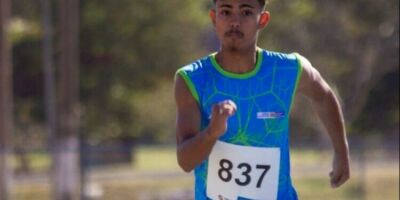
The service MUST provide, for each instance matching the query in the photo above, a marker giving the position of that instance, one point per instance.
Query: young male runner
(233, 111)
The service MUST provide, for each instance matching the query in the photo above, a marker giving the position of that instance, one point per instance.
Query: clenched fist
(220, 113)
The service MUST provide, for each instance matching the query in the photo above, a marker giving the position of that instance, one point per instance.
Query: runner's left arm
(328, 109)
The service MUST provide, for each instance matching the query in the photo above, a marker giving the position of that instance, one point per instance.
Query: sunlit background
(128, 53)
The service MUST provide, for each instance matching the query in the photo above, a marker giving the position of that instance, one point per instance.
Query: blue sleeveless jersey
(263, 97)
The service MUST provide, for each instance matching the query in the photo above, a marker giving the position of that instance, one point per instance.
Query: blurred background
(87, 106)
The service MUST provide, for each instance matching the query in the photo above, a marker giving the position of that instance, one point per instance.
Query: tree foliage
(353, 44)
(131, 49)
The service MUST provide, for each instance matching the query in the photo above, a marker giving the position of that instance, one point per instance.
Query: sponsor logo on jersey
(270, 115)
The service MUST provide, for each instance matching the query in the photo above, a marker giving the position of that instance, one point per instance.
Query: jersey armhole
(189, 84)
(299, 72)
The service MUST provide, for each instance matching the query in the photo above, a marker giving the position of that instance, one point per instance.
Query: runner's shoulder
(282, 58)
(195, 67)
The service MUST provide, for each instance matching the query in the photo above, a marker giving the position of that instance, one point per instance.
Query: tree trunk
(48, 69)
(66, 149)
(6, 105)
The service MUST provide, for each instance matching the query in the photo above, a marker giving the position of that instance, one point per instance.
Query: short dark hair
(261, 2)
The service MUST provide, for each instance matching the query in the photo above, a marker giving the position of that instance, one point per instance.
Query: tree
(48, 68)
(66, 141)
(6, 105)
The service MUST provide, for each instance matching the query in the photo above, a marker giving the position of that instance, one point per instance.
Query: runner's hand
(220, 114)
(341, 171)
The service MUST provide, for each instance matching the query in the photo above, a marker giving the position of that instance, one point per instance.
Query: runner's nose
(235, 21)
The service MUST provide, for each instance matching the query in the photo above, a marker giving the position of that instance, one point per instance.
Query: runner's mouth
(234, 33)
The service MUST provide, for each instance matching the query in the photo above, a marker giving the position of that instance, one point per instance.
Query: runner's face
(237, 22)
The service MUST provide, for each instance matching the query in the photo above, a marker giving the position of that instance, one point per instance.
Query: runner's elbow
(185, 166)
(186, 169)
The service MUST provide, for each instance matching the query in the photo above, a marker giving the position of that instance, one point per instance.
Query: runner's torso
(251, 160)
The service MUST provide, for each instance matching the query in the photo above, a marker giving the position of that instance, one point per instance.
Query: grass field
(155, 175)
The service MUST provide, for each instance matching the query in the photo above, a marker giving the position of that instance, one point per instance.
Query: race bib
(242, 171)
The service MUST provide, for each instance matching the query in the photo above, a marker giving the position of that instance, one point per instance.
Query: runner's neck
(239, 62)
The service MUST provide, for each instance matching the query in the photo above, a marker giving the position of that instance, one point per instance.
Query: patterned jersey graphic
(263, 97)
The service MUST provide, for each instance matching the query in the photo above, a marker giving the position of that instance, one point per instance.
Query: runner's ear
(212, 16)
(264, 19)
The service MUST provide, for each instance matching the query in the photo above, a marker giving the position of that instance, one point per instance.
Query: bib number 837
(225, 174)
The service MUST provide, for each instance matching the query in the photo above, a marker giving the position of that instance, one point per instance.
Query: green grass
(310, 177)
(155, 159)
(377, 186)
(38, 161)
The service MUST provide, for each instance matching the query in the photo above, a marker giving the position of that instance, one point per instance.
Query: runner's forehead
(240, 3)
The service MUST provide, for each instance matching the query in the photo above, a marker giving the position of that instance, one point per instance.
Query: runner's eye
(247, 13)
(225, 12)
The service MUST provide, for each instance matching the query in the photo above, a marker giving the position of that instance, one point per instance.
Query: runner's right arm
(193, 145)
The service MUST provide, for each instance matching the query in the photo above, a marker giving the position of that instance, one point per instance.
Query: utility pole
(66, 139)
(6, 102)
